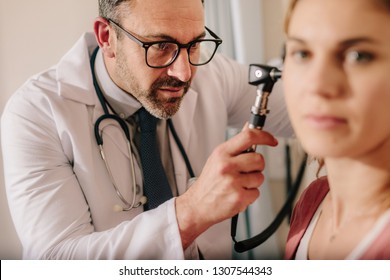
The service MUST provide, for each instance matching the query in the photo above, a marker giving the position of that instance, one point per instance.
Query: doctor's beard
(160, 107)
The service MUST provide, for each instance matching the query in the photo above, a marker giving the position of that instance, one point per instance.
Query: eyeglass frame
(147, 45)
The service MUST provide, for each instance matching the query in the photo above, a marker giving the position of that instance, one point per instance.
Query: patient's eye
(355, 57)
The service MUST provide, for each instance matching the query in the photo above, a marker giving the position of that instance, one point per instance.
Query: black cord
(289, 181)
(255, 241)
(181, 148)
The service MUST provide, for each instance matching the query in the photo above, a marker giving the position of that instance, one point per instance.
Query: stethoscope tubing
(99, 140)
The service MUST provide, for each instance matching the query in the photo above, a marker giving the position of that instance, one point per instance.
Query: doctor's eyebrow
(170, 38)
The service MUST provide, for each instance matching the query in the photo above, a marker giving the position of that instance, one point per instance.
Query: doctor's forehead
(182, 20)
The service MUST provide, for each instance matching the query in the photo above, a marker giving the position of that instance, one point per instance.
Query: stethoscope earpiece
(142, 201)
(117, 208)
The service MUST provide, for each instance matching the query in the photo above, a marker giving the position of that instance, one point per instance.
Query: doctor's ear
(105, 36)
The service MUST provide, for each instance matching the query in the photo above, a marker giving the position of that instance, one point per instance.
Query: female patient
(337, 86)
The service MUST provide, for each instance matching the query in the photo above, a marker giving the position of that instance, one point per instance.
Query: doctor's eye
(195, 45)
(164, 47)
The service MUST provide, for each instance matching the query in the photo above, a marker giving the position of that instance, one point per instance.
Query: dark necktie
(156, 186)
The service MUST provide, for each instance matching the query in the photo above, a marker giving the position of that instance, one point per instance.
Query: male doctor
(66, 200)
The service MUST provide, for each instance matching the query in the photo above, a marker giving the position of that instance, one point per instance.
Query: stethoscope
(128, 205)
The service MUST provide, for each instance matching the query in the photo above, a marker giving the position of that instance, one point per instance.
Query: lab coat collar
(123, 103)
(74, 74)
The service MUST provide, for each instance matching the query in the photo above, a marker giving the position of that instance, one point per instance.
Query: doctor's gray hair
(109, 8)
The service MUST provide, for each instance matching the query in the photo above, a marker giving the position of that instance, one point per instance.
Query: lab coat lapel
(75, 82)
(183, 123)
(74, 72)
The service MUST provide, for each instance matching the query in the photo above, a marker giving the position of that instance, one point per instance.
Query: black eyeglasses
(161, 54)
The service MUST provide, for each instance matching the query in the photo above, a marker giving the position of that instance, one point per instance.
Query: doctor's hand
(228, 184)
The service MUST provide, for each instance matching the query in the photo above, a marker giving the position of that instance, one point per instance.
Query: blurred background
(35, 34)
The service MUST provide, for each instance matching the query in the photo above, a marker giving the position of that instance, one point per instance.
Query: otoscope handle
(259, 110)
(257, 121)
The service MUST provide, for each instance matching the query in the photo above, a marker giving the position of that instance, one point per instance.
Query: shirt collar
(122, 102)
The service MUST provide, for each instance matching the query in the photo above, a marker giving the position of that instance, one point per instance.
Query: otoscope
(267, 75)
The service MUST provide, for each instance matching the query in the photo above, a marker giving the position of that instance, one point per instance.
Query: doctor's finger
(246, 139)
(251, 180)
(250, 162)
(247, 197)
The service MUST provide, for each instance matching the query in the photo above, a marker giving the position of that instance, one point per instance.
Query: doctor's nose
(181, 67)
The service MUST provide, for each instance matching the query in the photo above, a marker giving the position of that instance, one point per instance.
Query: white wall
(35, 34)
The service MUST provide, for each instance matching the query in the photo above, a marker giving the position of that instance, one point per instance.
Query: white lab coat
(60, 196)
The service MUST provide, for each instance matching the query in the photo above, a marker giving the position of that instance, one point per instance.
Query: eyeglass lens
(162, 54)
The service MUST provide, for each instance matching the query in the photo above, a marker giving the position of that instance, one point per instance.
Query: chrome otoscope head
(258, 75)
